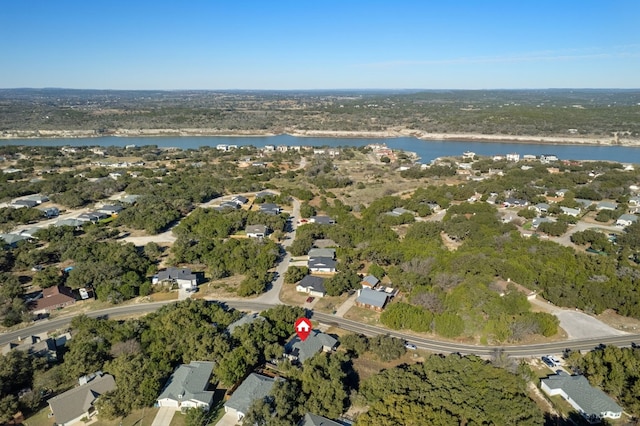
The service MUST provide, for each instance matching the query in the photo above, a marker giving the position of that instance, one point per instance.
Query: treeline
(486, 112)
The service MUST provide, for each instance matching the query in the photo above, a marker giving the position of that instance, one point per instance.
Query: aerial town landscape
(262, 215)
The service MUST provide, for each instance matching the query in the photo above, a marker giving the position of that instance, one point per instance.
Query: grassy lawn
(225, 287)
(289, 295)
(328, 304)
(142, 417)
(366, 316)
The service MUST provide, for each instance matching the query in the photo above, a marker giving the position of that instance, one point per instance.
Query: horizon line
(322, 89)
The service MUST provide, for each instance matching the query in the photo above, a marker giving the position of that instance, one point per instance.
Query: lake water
(426, 150)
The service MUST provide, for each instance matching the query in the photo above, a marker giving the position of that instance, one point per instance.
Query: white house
(592, 403)
(257, 231)
(187, 387)
(626, 219)
(569, 211)
(183, 277)
(313, 286)
(321, 264)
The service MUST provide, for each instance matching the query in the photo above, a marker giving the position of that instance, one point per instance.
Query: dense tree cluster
(447, 390)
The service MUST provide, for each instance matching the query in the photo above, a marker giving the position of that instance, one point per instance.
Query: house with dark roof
(74, 404)
(322, 220)
(18, 204)
(313, 286)
(38, 198)
(239, 199)
(256, 231)
(49, 212)
(110, 209)
(253, 388)
(183, 277)
(310, 419)
(55, 297)
(321, 264)
(301, 350)
(270, 208)
(92, 216)
(371, 299)
(592, 403)
(188, 387)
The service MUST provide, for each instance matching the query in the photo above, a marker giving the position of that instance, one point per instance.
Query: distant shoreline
(466, 137)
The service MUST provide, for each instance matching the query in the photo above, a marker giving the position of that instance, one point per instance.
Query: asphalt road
(368, 330)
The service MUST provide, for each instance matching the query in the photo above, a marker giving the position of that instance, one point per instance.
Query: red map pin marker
(303, 328)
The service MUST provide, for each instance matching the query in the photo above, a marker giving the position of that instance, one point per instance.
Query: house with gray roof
(72, 405)
(188, 387)
(313, 286)
(540, 208)
(399, 211)
(321, 264)
(538, 220)
(606, 205)
(634, 201)
(371, 299)
(592, 403)
(301, 350)
(322, 252)
(253, 388)
(38, 198)
(310, 419)
(256, 231)
(569, 211)
(34, 346)
(12, 240)
(247, 319)
(74, 223)
(369, 281)
(585, 204)
(626, 219)
(322, 220)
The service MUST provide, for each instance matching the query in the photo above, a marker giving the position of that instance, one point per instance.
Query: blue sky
(226, 44)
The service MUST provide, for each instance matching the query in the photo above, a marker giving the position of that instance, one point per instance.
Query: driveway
(229, 419)
(577, 324)
(272, 295)
(164, 416)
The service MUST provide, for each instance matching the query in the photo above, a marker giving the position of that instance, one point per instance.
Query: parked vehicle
(410, 346)
(309, 299)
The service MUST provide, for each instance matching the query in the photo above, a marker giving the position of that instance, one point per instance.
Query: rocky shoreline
(473, 137)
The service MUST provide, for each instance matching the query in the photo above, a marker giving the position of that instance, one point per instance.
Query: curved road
(369, 330)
